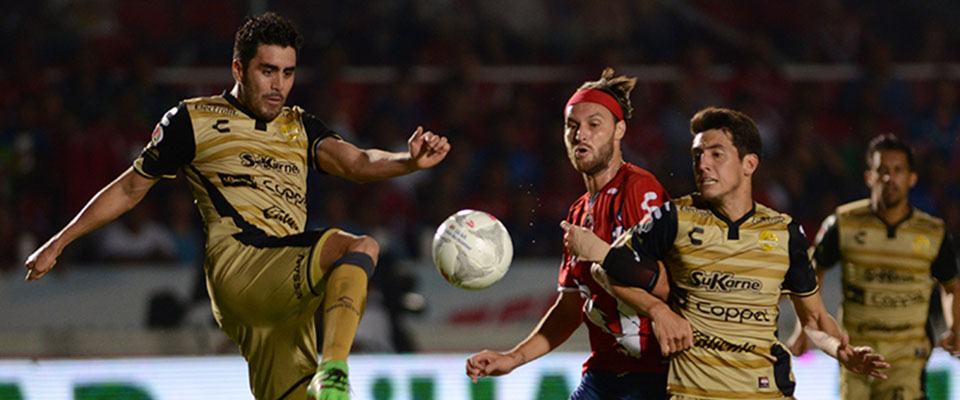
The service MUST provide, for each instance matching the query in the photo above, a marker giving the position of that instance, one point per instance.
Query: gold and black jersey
(726, 280)
(249, 176)
(886, 269)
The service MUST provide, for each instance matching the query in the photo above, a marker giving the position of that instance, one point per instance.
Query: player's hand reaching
(42, 261)
(861, 360)
(426, 148)
(583, 243)
(490, 363)
(950, 341)
(672, 331)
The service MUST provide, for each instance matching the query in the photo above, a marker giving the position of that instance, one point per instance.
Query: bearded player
(245, 156)
(625, 361)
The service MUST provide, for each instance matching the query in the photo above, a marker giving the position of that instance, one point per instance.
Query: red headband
(597, 96)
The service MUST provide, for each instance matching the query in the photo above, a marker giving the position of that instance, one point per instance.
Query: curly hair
(269, 28)
(618, 87)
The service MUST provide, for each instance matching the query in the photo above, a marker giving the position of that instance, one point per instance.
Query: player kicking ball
(245, 155)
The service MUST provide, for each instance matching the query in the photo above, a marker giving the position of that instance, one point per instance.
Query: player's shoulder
(689, 206)
(923, 220)
(856, 208)
(767, 215)
(216, 105)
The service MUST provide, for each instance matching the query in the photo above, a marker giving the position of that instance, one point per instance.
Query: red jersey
(620, 339)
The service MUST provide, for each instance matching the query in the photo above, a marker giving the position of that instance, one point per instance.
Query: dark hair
(618, 87)
(743, 131)
(888, 141)
(269, 28)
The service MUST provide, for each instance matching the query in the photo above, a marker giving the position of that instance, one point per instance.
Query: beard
(254, 102)
(598, 163)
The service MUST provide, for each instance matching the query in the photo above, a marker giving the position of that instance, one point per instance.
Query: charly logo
(921, 244)
(768, 240)
(268, 162)
(724, 282)
(277, 213)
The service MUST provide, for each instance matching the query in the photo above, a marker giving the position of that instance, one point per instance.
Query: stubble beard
(600, 162)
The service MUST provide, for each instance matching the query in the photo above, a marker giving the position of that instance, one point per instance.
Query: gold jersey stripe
(858, 262)
(723, 394)
(760, 257)
(768, 271)
(728, 360)
(236, 150)
(888, 337)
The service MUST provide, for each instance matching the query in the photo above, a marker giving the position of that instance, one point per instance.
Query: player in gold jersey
(889, 252)
(727, 260)
(245, 155)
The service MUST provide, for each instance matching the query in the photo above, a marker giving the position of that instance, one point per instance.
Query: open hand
(861, 360)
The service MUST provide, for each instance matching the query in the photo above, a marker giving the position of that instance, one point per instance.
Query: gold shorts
(261, 298)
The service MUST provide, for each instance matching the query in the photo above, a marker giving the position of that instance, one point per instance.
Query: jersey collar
(892, 228)
(260, 124)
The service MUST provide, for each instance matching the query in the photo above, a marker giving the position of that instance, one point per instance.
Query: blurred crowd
(80, 91)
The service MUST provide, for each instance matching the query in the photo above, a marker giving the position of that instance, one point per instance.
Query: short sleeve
(565, 279)
(801, 279)
(826, 250)
(944, 267)
(316, 131)
(632, 260)
(653, 237)
(172, 145)
(642, 197)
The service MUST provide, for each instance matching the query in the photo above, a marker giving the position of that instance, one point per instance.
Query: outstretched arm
(365, 165)
(823, 330)
(112, 201)
(950, 341)
(555, 328)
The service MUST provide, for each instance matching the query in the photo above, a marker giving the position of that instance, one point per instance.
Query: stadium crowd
(80, 92)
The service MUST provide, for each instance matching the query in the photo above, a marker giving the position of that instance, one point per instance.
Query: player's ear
(913, 179)
(750, 163)
(620, 129)
(237, 68)
(868, 178)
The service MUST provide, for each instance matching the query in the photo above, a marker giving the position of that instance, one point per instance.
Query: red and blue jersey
(620, 339)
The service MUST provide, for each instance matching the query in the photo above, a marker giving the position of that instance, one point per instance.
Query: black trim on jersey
(295, 386)
(944, 268)
(733, 227)
(800, 279)
(176, 148)
(316, 131)
(250, 234)
(892, 229)
(650, 240)
(781, 370)
(826, 252)
(260, 124)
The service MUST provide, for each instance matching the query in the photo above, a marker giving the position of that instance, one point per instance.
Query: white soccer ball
(472, 249)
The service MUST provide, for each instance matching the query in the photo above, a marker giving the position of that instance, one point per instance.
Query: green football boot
(330, 382)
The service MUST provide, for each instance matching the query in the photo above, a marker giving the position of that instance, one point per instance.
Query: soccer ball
(472, 249)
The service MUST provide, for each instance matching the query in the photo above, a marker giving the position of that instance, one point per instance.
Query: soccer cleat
(330, 382)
